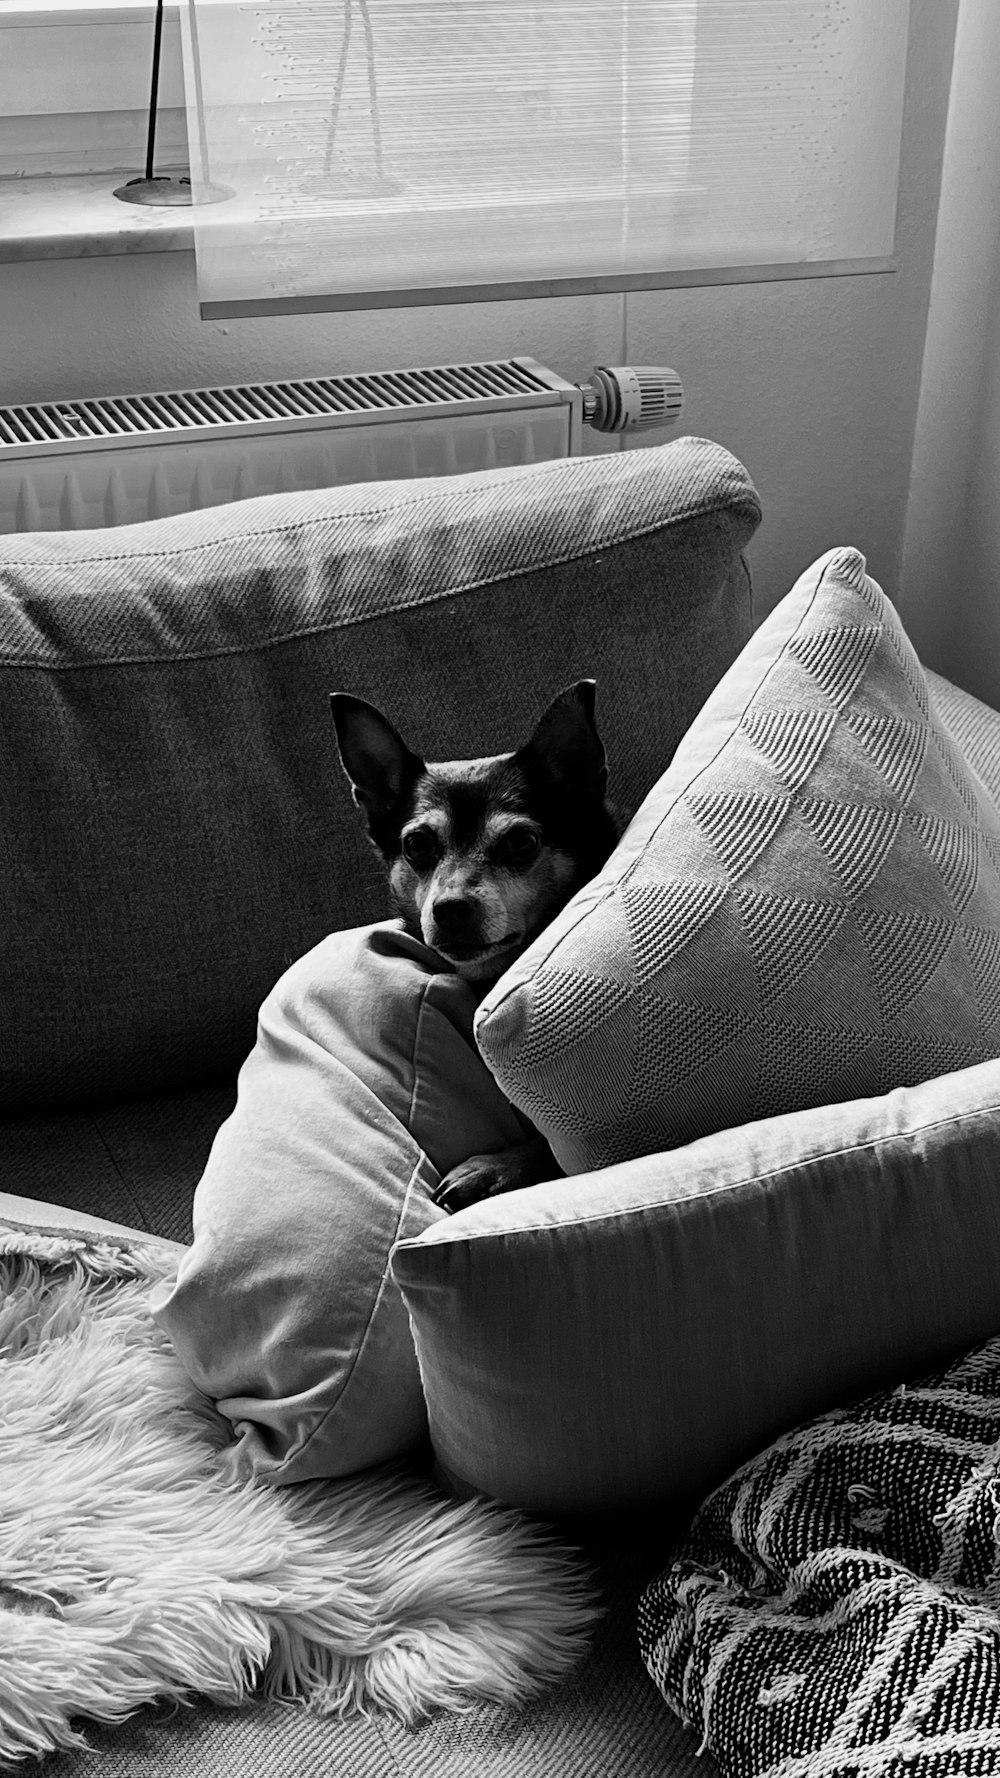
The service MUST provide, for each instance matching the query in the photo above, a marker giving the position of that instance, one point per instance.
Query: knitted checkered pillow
(806, 908)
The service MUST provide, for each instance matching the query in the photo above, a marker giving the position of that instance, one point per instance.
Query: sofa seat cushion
(364, 1089)
(806, 909)
(164, 699)
(135, 1163)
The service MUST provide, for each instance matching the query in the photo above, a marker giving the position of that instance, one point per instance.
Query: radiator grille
(108, 418)
(115, 460)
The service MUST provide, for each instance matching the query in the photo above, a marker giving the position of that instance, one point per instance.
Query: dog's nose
(454, 916)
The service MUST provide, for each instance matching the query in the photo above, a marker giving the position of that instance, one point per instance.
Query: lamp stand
(164, 188)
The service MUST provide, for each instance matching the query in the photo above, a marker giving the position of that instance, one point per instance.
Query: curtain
(367, 152)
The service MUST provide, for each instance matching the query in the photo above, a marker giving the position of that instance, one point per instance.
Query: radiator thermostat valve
(622, 397)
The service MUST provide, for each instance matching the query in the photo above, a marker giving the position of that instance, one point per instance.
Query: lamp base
(165, 188)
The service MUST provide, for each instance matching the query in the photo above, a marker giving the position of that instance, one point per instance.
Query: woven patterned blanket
(834, 1611)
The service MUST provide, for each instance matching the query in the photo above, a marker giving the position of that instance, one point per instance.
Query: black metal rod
(154, 88)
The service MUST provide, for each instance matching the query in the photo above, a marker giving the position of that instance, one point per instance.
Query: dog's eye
(420, 848)
(519, 847)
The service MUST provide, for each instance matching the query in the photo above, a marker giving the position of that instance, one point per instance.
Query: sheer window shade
(394, 151)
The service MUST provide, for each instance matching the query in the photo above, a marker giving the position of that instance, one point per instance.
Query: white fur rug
(132, 1568)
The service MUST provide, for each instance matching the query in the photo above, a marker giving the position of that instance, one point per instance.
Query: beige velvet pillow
(805, 909)
(363, 1089)
(624, 1338)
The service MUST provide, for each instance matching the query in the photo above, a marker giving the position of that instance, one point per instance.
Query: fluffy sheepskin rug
(132, 1568)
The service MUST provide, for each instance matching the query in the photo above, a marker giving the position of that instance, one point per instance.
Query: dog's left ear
(566, 743)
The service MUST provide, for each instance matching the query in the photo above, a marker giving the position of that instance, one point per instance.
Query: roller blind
(398, 151)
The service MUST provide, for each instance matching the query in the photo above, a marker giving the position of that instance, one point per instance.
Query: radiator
(113, 460)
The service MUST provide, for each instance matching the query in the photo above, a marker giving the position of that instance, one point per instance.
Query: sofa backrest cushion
(175, 827)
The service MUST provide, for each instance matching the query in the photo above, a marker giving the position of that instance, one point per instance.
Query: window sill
(77, 216)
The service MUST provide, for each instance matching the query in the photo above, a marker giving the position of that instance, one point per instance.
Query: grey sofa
(176, 831)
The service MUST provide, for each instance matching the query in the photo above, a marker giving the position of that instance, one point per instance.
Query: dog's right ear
(381, 767)
(566, 744)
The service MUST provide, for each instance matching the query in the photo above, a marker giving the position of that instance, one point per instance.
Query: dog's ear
(381, 767)
(566, 744)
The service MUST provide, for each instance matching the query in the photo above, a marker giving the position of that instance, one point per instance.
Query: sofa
(602, 1349)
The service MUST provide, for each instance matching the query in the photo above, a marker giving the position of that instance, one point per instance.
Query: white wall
(951, 574)
(814, 384)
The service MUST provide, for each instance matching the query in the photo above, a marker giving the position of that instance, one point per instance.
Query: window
(395, 151)
(437, 150)
(74, 86)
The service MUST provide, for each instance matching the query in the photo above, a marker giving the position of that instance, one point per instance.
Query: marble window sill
(77, 216)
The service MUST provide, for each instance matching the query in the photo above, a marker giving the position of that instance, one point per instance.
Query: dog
(481, 854)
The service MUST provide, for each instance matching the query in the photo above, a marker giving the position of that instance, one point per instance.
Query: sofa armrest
(626, 1337)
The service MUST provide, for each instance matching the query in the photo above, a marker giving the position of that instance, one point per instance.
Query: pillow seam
(713, 1191)
(612, 888)
(609, 541)
(717, 502)
(299, 1451)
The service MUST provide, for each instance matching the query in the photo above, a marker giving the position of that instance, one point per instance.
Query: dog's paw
(488, 1175)
(482, 1176)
